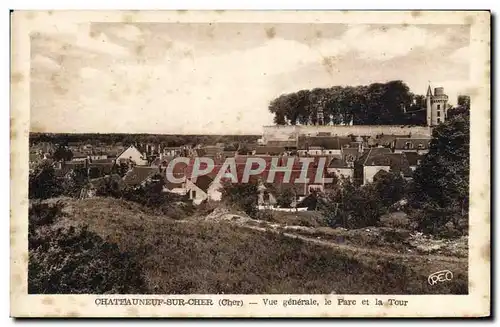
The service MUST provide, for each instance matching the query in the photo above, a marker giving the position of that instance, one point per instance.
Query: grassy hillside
(207, 257)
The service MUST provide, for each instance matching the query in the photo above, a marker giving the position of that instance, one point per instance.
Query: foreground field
(225, 256)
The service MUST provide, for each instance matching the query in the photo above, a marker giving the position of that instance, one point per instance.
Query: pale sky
(199, 78)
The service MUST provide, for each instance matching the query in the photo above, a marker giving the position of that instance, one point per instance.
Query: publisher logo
(440, 277)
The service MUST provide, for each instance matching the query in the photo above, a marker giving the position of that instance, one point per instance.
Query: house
(384, 140)
(132, 154)
(420, 145)
(243, 149)
(287, 144)
(79, 156)
(212, 151)
(322, 145)
(176, 188)
(311, 151)
(334, 145)
(101, 156)
(171, 151)
(138, 176)
(230, 154)
(343, 166)
(269, 150)
(198, 190)
(370, 163)
(270, 192)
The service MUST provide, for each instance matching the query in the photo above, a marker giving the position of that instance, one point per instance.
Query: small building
(101, 156)
(370, 163)
(132, 154)
(176, 188)
(199, 190)
(322, 145)
(79, 156)
(269, 150)
(343, 166)
(420, 145)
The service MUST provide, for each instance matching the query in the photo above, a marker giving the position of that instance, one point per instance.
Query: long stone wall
(288, 132)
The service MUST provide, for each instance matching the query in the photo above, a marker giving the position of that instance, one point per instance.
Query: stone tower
(436, 106)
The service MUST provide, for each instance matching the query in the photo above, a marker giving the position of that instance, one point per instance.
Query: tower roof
(429, 91)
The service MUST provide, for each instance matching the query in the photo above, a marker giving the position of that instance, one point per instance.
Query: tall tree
(443, 176)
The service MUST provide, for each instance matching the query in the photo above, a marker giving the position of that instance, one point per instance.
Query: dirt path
(361, 250)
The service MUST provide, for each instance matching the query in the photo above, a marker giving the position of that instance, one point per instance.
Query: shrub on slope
(74, 260)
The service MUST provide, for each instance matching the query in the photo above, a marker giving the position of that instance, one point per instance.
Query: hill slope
(191, 256)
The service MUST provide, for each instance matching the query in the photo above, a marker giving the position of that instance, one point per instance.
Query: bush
(265, 215)
(242, 195)
(76, 261)
(73, 182)
(73, 260)
(435, 220)
(395, 220)
(43, 183)
(41, 214)
(111, 185)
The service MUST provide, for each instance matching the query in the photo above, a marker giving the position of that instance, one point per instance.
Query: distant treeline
(165, 140)
(374, 104)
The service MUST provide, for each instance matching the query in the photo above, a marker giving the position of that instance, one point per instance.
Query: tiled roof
(285, 143)
(212, 150)
(105, 168)
(348, 155)
(203, 182)
(102, 161)
(271, 150)
(139, 174)
(337, 162)
(377, 157)
(415, 144)
(77, 154)
(324, 142)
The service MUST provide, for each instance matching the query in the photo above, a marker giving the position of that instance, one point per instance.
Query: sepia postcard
(220, 163)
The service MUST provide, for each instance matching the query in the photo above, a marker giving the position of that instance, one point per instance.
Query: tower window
(439, 113)
(439, 106)
(439, 121)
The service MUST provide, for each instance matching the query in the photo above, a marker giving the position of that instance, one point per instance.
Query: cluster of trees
(74, 260)
(164, 140)
(353, 206)
(374, 104)
(45, 183)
